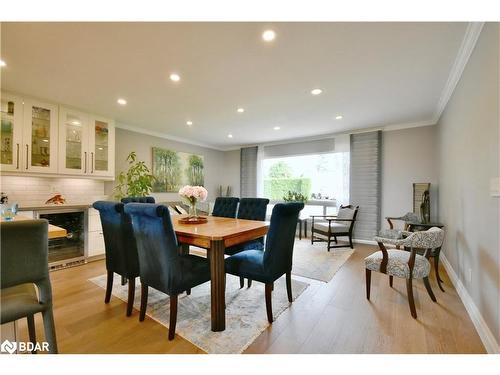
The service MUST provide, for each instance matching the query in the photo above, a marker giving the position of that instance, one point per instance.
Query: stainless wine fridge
(70, 250)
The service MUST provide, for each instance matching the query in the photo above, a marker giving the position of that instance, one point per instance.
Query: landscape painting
(174, 169)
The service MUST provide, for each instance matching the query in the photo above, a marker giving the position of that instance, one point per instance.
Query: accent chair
(276, 260)
(138, 200)
(341, 225)
(161, 266)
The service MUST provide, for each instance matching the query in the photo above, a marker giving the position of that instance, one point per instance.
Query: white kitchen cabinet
(40, 138)
(11, 132)
(95, 243)
(102, 146)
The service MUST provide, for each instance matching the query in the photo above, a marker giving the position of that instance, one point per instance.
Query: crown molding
(158, 134)
(468, 43)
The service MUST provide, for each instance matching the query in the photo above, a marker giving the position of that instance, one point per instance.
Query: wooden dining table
(216, 235)
(54, 231)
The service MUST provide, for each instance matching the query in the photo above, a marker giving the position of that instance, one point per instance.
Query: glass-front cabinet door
(40, 137)
(11, 132)
(101, 146)
(73, 142)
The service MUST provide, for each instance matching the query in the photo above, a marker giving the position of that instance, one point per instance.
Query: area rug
(245, 311)
(314, 262)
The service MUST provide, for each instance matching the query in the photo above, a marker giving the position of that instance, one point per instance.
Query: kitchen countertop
(53, 207)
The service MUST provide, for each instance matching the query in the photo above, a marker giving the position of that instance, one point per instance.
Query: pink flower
(193, 193)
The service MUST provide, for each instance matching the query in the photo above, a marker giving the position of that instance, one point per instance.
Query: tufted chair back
(225, 207)
(253, 208)
(281, 237)
(159, 259)
(119, 240)
(138, 200)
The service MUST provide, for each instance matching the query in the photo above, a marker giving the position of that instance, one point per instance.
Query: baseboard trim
(487, 337)
(365, 242)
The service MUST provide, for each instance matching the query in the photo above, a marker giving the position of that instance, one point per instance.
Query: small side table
(435, 252)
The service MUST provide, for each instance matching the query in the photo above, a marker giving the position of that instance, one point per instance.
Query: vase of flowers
(193, 195)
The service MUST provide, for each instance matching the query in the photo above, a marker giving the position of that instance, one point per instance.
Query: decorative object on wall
(173, 169)
(136, 182)
(421, 201)
(193, 194)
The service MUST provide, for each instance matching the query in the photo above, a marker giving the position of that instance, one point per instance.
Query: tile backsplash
(34, 191)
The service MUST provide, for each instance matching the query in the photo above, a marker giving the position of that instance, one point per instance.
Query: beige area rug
(245, 311)
(315, 262)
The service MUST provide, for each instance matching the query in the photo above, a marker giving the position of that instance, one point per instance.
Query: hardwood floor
(332, 317)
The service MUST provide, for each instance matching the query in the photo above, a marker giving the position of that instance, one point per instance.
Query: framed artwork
(174, 169)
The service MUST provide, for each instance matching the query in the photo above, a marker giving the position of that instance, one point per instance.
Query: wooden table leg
(217, 285)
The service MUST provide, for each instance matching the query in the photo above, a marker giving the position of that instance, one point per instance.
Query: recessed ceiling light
(268, 35)
(3, 63)
(230, 135)
(121, 101)
(45, 140)
(276, 128)
(74, 122)
(240, 110)
(189, 123)
(339, 117)
(175, 77)
(316, 91)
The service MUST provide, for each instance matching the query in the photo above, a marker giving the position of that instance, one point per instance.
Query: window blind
(365, 182)
(248, 172)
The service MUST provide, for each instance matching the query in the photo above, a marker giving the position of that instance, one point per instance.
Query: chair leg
(50, 330)
(124, 280)
(368, 274)
(269, 307)
(391, 280)
(242, 282)
(289, 286)
(335, 239)
(328, 245)
(436, 269)
(411, 301)
(32, 331)
(350, 242)
(109, 287)
(249, 281)
(173, 317)
(188, 291)
(429, 289)
(131, 296)
(144, 302)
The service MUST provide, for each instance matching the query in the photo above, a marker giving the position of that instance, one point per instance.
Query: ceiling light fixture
(268, 35)
(74, 122)
(339, 117)
(174, 77)
(121, 101)
(276, 128)
(316, 91)
(189, 123)
(3, 63)
(240, 110)
(230, 135)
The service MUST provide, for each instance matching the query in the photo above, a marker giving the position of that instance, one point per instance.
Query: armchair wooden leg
(188, 291)
(411, 301)
(391, 280)
(109, 287)
(144, 302)
(131, 296)
(368, 282)
(328, 245)
(436, 269)
(429, 289)
(249, 281)
(124, 280)
(269, 307)
(289, 286)
(32, 331)
(173, 317)
(50, 330)
(242, 282)
(350, 242)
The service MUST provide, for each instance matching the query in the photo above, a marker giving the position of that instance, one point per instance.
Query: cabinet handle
(17, 153)
(92, 162)
(26, 156)
(85, 171)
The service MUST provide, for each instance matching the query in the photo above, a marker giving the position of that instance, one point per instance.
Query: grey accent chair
(331, 226)
(24, 268)
(404, 264)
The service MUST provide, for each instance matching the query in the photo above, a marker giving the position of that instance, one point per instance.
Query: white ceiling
(374, 74)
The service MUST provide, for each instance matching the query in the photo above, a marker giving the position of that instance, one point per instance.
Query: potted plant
(293, 196)
(137, 181)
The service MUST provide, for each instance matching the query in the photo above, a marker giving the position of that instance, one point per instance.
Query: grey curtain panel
(366, 182)
(248, 172)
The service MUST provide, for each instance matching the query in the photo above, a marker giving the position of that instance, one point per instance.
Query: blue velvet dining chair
(161, 265)
(138, 200)
(225, 207)
(276, 260)
(120, 248)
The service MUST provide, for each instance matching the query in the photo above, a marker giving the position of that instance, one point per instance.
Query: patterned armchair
(405, 264)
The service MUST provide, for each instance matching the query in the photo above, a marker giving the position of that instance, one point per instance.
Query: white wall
(408, 156)
(469, 158)
(231, 171)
